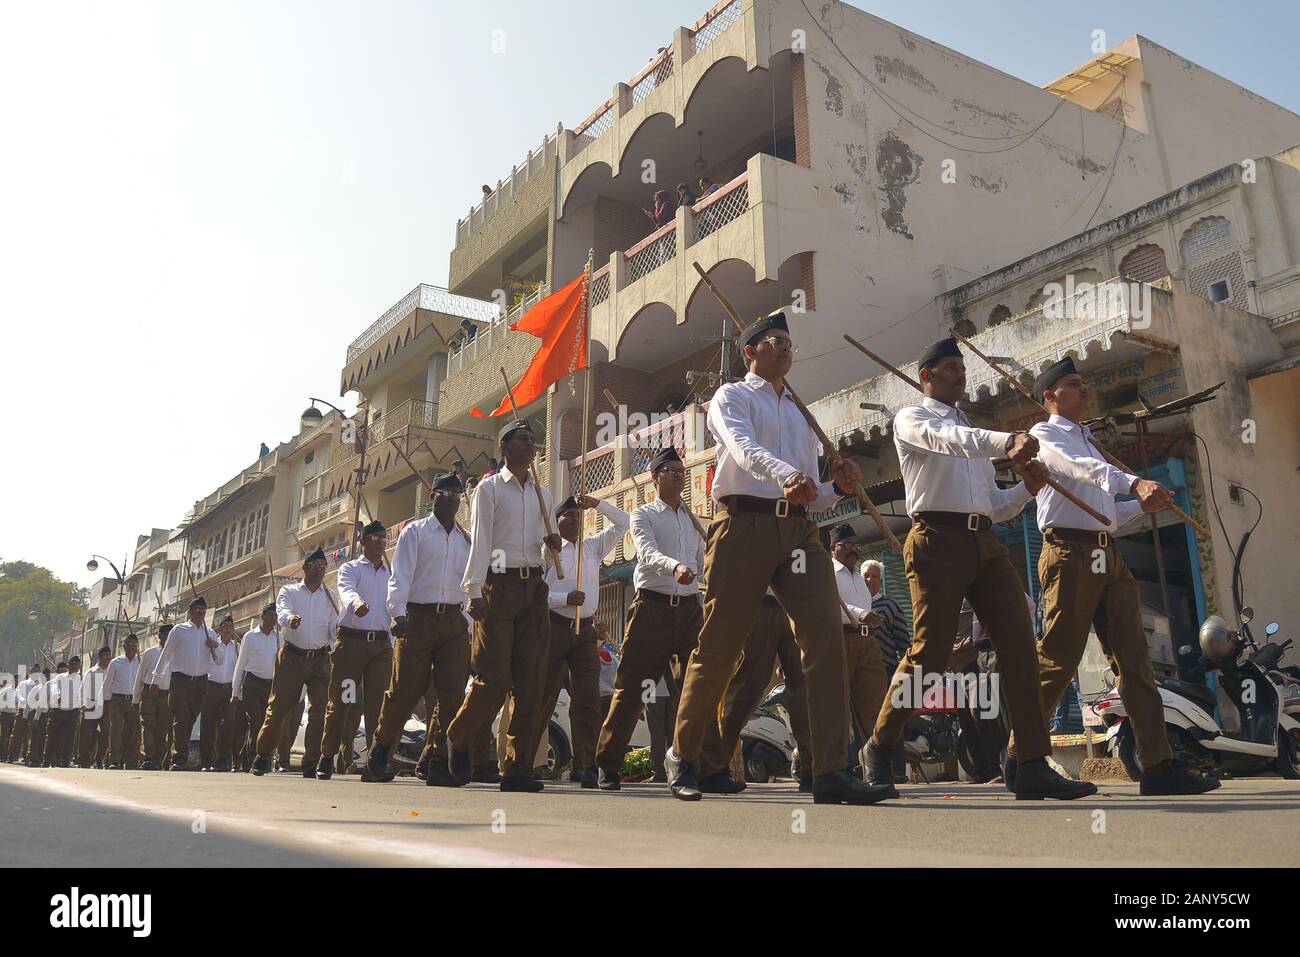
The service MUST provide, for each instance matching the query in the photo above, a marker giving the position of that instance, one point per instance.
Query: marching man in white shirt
(664, 618)
(506, 584)
(218, 721)
(363, 654)
(761, 536)
(431, 647)
(92, 737)
(309, 617)
(186, 657)
(1086, 581)
(150, 694)
(951, 553)
(26, 741)
(123, 715)
(573, 652)
(250, 685)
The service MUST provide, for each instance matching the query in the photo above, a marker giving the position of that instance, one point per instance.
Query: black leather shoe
(609, 781)
(485, 774)
(148, 766)
(590, 777)
(1009, 773)
(520, 782)
(686, 785)
(805, 783)
(576, 775)
(1174, 777)
(324, 770)
(377, 762)
(261, 764)
(223, 765)
(459, 765)
(439, 777)
(422, 769)
(878, 768)
(1036, 780)
(285, 767)
(309, 770)
(176, 766)
(840, 787)
(720, 783)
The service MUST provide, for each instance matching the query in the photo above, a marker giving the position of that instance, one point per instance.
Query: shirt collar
(840, 566)
(508, 476)
(941, 407)
(1062, 422)
(758, 383)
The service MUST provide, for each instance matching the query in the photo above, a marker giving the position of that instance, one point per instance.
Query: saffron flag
(560, 321)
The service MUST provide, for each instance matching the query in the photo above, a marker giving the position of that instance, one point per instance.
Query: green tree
(27, 588)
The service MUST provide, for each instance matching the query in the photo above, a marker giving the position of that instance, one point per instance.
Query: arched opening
(1144, 263)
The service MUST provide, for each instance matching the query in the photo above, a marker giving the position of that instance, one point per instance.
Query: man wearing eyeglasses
(308, 613)
(765, 483)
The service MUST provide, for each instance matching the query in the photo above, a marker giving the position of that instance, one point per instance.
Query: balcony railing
(431, 298)
(534, 164)
(320, 513)
(600, 285)
(656, 250)
(716, 22)
(728, 203)
(491, 335)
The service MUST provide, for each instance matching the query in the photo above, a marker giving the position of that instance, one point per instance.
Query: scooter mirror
(1247, 614)
(1272, 628)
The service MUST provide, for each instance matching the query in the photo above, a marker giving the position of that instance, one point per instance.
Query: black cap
(164, 630)
(228, 618)
(1052, 375)
(449, 483)
(564, 506)
(773, 320)
(271, 608)
(131, 639)
(374, 528)
(316, 556)
(666, 457)
(842, 533)
(199, 602)
(511, 428)
(105, 650)
(75, 660)
(939, 350)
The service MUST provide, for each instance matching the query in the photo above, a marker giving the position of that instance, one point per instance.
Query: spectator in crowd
(685, 197)
(707, 187)
(894, 636)
(608, 667)
(469, 329)
(487, 190)
(664, 209)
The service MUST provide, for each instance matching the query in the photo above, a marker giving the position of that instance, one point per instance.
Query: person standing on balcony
(508, 602)
(685, 197)
(124, 717)
(707, 187)
(573, 654)
(150, 694)
(363, 654)
(250, 685)
(952, 554)
(308, 614)
(761, 537)
(186, 656)
(217, 720)
(664, 211)
(664, 618)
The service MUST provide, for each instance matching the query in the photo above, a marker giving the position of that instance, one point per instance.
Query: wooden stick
(586, 431)
(195, 592)
(883, 364)
(1019, 387)
(423, 481)
(828, 446)
(532, 470)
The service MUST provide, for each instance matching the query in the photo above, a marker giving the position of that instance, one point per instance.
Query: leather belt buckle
(525, 572)
(973, 522)
(370, 637)
(674, 600)
(439, 608)
(1103, 539)
(866, 631)
(782, 508)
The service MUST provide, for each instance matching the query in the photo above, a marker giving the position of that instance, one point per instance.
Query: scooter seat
(1200, 694)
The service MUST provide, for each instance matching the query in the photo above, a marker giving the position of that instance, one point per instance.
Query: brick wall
(802, 138)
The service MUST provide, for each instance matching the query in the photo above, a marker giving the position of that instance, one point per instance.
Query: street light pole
(362, 440)
(93, 565)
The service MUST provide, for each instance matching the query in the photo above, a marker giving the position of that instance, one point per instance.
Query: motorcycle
(1270, 735)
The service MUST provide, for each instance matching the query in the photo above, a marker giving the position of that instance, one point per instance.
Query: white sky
(203, 203)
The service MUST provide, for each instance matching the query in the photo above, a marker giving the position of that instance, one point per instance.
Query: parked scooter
(766, 743)
(1269, 737)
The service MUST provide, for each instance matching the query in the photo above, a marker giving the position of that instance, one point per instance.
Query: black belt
(569, 621)
(970, 521)
(438, 608)
(524, 571)
(249, 676)
(855, 630)
(181, 674)
(304, 653)
(1100, 539)
(779, 507)
(357, 634)
(120, 696)
(661, 598)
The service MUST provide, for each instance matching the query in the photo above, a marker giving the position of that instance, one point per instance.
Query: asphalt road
(72, 817)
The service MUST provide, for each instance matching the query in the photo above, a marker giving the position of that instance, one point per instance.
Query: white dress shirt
(222, 671)
(763, 440)
(31, 695)
(120, 676)
(65, 691)
(8, 693)
(149, 673)
(186, 652)
(946, 464)
(665, 538)
(92, 689)
(504, 522)
(853, 591)
(257, 653)
(319, 611)
(428, 565)
(360, 582)
(1079, 466)
(594, 549)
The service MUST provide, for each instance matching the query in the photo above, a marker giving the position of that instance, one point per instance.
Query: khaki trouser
(92, 738)
(661, 719)
(253, 698)
(1076, 596)
(867, 679)
(20, 737)
(293, 670)
(62, 735)
(7, 721)
(746, 554)
(483, 752)
(124, 732)
(574, 663)
(217, 724)
(657, 632)
(186, 702)
(284, 748)
(359, 673)
(431, 661)
(156, 722)
(944, 565)
(770, 641)
(508, 655)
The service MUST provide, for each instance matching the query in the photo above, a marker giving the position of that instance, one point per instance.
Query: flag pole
(586, 425)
